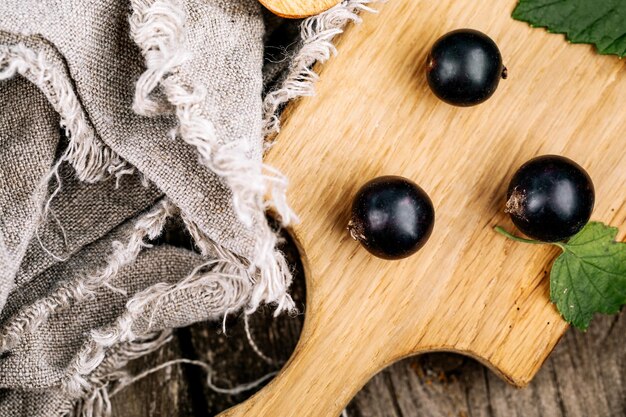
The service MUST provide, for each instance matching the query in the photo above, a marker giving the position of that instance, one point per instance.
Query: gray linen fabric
(21, 170)
(104, 64)
(122, 120)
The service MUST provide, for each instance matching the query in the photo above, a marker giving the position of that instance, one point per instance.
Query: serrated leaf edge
(567, 36)
(584, 323)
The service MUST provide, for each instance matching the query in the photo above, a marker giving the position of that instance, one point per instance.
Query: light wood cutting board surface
(468, 290)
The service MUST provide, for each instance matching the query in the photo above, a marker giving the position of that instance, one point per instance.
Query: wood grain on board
(298, 8)
(468, 290)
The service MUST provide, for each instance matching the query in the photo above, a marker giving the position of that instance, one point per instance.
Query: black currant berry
(392, 217)
(550, 198)
(464, 67)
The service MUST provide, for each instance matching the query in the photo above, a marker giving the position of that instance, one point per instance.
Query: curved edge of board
(325, 371)
(297, 9)
(303, 387)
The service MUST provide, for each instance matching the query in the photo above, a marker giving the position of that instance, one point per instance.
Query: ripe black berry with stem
(464, 67)
(550, 198)
(392, 217)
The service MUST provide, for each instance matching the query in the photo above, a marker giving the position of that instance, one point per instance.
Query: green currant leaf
(590, 275)
(599, 22)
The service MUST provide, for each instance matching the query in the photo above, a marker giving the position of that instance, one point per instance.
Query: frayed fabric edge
(225, 280)
(30, 318)
(96, 370)
(110, 377)
(158, 28)
(92, 160)
(112, 382)
(268, 286)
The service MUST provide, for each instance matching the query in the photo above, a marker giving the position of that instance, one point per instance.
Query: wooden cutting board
(469, 290)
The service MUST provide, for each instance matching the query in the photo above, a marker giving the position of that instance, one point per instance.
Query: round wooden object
(296, 9)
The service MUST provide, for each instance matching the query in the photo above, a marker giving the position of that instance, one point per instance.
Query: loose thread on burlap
(223, 286)
(252, 343)
(149, 226)
(45, 209)
(238, 389)
(96, 402)
(317, 34)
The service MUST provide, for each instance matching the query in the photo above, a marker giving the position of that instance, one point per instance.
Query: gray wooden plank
(163, 394)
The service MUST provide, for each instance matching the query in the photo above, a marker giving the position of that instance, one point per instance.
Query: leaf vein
(543, 6)
(571, 283)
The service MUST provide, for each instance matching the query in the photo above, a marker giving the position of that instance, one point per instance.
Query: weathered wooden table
(584, 377)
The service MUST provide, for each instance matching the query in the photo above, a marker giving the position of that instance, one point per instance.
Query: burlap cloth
(120, 119)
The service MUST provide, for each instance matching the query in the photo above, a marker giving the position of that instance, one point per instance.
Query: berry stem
(529, 241)
(515, 238)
